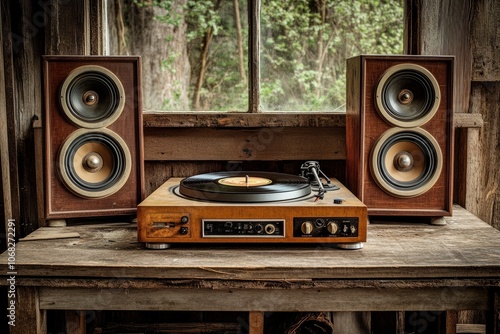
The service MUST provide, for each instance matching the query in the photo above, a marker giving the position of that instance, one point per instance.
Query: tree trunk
(240, 41)
(163, 47)
(203, 67)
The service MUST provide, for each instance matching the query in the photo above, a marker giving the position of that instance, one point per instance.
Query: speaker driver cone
(94, 163)
(406, 163)
(92, 97)
(407, 95)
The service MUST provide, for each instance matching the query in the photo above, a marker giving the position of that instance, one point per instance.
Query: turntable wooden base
(166, 217)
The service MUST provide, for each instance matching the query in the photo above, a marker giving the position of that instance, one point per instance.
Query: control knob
(332, 227)
(306, 227)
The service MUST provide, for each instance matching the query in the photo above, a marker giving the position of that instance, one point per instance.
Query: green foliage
(304, 45)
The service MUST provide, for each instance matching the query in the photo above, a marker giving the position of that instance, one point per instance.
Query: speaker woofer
(407, 95)
(92, 97)
(94, 163)
(406, 163)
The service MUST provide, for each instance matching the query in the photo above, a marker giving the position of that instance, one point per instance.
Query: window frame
(254, 116)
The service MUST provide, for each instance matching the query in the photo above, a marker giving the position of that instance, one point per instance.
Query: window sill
(242, 120)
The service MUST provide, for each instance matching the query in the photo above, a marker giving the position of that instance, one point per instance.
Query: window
(250, 55)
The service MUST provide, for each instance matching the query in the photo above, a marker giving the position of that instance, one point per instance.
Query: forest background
(195, 52)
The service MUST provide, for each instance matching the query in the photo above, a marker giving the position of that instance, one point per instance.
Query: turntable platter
(245, 187)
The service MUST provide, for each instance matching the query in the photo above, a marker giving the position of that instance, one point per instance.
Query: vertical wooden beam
(483, 183)
(12, 42)
(75, 322)
(5, 172)
(94, 27)
(411, 27)
(29, 317)
(254, 55)
(65, 34)
(451, 319)
(400, 322)
(493, 315)
(256, 322)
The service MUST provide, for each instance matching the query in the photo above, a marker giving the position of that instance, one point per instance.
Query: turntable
(253, 207)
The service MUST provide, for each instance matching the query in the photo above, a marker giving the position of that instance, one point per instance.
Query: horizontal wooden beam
(361, 299)
(243, 120)
(466, 120)
(280, 143)
(269, 120)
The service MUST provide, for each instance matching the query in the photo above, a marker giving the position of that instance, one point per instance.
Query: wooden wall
(483, 145)
(469, 29)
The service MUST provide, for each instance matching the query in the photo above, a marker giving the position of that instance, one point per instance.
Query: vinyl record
(245, 187)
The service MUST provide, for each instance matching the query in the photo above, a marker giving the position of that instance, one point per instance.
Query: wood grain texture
(256, 322)
(484, 40)
(467, 248)
(264, 300)
(483, 159)
(243, 120)
(32, 319)
(195, 144)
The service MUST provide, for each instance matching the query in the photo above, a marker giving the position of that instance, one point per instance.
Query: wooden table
(402, 267)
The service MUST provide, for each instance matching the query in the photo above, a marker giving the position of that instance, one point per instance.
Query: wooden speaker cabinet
(399, 134)
(92, 136)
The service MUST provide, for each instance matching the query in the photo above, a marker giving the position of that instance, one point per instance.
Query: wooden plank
(451, 318)
(242, 120)
(254, 55)
(94, 33)
(44, 234)
(471, 329)
(465, 248)
(39, 168)
(493, 314)
(256, 284)
(29, 318)
(190, 144)
(268, 119)
(11, 42)
(484, 37)
(290, 300)
(256, 322)
(482, 195)
(75, 322)
(170, 328)
(465, 120)
(483, 155)
(65, 33)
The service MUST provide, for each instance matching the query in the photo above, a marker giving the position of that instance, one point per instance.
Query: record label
(245, 181)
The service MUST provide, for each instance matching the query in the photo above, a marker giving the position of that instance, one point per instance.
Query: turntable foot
(56, 223)
(352, 246)
(439, 221)
(157, 245)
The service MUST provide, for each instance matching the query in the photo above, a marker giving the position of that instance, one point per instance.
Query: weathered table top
(466, 248)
